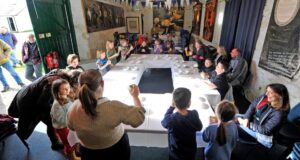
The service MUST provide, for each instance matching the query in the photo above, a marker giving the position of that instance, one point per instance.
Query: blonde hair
(222, 51)
(71, 58)
(98, 52)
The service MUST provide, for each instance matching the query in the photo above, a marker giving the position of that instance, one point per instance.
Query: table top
(184, 74)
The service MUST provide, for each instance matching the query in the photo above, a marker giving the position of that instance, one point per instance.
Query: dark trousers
(119, 151)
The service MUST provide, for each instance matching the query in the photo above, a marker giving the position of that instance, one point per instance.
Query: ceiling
(11, 7)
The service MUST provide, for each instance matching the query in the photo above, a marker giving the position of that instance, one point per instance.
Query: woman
(199, 53)
(221, 55)
(97, 121)
(31, 58)
(265, 115)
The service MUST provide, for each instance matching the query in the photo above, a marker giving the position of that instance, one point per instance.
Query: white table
(184, 74)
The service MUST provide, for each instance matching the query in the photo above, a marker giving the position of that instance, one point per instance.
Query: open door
(53, 26)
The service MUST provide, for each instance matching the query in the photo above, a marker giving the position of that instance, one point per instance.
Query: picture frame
(132, 24)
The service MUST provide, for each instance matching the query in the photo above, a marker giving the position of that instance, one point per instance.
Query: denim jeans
(13, 58)
(33, 68)
(13, 73)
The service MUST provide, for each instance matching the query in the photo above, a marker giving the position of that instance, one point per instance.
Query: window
(12, 24)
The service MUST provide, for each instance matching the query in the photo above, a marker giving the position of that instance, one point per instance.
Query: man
(11, 40)
(32, 59)
(238, 68)
(5, 51)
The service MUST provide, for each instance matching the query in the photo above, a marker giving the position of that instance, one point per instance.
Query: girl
(221, 55)
(61, 104)
(73, 63)
(111, 52)
(124, 50)
(222, 136)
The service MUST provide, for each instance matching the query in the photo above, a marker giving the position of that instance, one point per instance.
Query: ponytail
(88, 101)
(221, 134)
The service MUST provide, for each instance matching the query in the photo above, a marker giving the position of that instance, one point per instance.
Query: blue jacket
(270, 119)
(10, 39)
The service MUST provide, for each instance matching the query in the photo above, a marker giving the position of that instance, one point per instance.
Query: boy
(103, 64)
(182, 126)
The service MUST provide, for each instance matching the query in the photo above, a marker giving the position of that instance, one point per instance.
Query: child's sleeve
(168, 119)
(206, 135)
(198, 122)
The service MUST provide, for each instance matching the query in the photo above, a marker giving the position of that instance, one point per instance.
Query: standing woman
(97, 120)
(31, 58)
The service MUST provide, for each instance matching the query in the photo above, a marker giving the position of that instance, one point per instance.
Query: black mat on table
(156, 80)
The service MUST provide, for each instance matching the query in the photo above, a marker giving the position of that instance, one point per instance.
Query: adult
(11, 40)
(219, 81)
(31, 58)
(221, 55)
(5, 51)
(238, 68)
(199, 53)
(97, 120)
(265, 115)
(33, 103)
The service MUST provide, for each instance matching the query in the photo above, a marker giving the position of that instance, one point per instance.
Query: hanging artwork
(197, 18)
(167, 20)
(281, 50)
(100, 16)
(209, 20)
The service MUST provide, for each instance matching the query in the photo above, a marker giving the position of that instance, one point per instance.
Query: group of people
(30, 57)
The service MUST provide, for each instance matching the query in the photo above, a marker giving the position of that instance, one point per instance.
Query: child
(158, 48)
(102, 62)
(73, 61)
(188, 52)
(169, 47)
(124, 50)
(111, 52)
(221, 137)
(208, 67)
(61, 104)
(182, 126)
(144, 49)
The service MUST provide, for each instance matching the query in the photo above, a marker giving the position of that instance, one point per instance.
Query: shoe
(57, 146)
(20, 63)
(5, 89)
(22, 85)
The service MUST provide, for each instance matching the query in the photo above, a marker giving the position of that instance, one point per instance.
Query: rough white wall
(261, 77)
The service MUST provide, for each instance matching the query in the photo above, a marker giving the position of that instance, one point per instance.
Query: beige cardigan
(106, 129)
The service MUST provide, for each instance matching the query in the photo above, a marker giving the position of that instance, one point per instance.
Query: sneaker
(5, 89)
(57, 146)
(22, 85)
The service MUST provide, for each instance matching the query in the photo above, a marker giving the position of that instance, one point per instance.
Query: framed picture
(133, 24)
(209, 20)
(101, 16)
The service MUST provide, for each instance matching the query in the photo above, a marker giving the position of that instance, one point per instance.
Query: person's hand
(134, 90)
(131, 48)
(109, 62)
(244, 122)
(213, 119)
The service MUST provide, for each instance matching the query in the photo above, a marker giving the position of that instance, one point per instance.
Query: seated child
(218, 80)
(124, 50)
(222, 134)
(158, 47)
(182, 126)
(169, 47)
(144, 49)
(73, 63)
(208, 67)
(61, 104)
(103, 64)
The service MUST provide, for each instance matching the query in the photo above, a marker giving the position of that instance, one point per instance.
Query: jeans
(13, 73)
(13, 57)
(33, 68)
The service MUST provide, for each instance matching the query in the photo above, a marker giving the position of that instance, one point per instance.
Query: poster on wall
(209, 19)
(197, 18)
(281, 50)
(168, 20)
(100, 16)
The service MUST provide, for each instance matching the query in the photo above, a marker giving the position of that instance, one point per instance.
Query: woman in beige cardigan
(97, 121)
